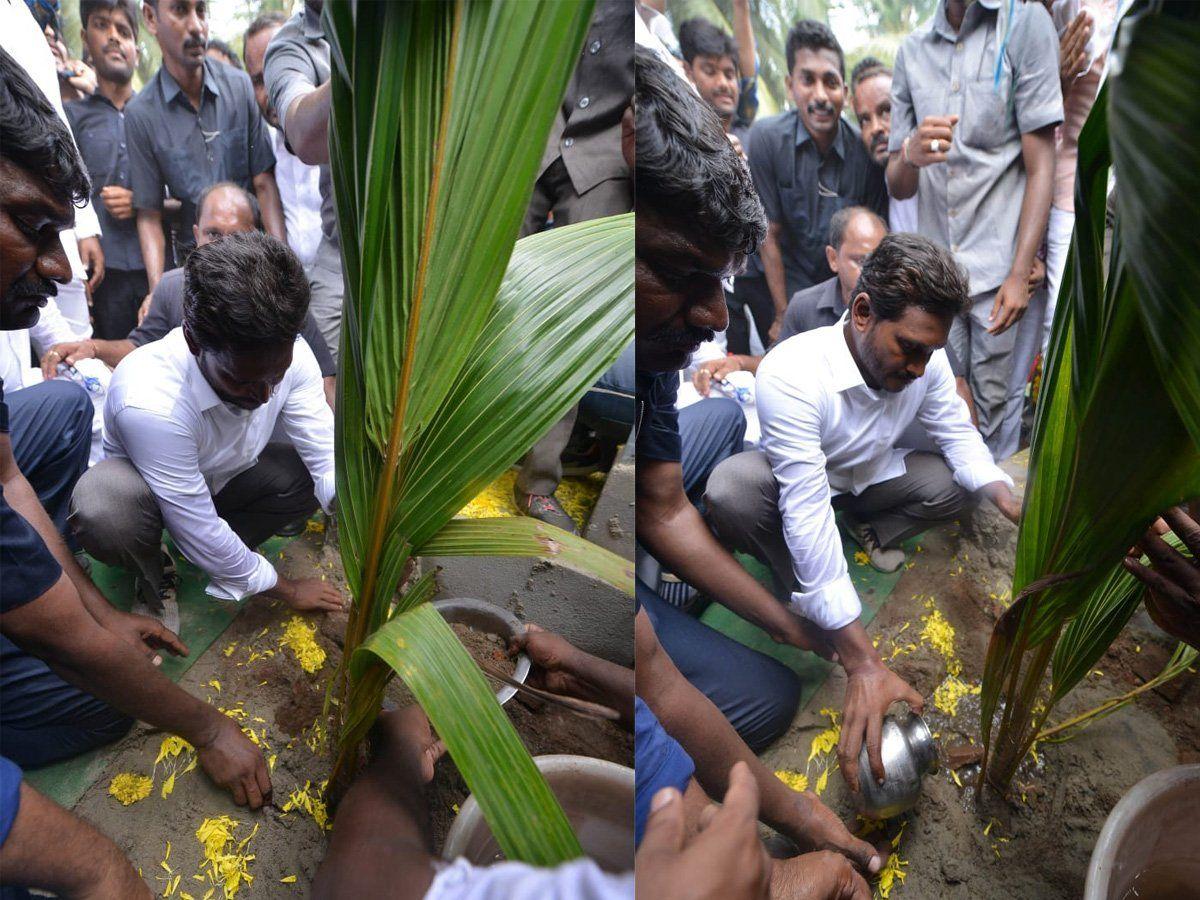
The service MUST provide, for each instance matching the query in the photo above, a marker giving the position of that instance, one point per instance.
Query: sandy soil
(281, 703)
(1038, 845)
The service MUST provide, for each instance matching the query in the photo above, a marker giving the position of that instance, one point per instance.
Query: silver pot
(909, 752)
(484, 616)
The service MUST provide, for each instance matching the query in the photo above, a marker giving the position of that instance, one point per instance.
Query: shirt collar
(312, 24)
(171, 88)
(206, 398)
(843, 370)
(831, 297)
(941, 24)
(802, 135)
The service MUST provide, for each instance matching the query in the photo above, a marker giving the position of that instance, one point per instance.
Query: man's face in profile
(680, 301)
(31, 254)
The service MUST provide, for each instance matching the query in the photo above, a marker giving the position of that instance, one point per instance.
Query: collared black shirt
(801, 191)
(174, 146)
(99, 129)
(656, 429)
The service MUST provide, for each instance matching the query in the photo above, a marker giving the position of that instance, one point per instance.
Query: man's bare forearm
(743, 34)
(271, 205)
(20, 495)
(681, 541)
(1037, 151)
(772, 262)
(307, 126)
(153, 244)
(902, 179)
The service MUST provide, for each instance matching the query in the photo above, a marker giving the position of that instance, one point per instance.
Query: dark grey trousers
(116, 518)
(742, 504)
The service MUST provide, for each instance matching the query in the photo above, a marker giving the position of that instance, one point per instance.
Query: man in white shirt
(187, 425)
(833, 404)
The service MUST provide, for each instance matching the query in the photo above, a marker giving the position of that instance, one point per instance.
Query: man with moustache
(195, 123)
(871, 97)
(807, 164)
(110, 33)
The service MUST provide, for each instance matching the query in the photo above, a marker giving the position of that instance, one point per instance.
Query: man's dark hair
(250, 199)
(87, 8)
(686, 167)
(225, 50)
(262, 23)
(700, 37)
(909, 270)
(841, 220)
(243, 292)
(809, 34)
(868, 67)
(33, 137)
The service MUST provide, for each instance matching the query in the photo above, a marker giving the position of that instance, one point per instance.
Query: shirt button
(958, 47)
(122, 145)
(583, 104)
(954, 247)
(954, 87)
(953, 211)
(595, 47)
(569, 142)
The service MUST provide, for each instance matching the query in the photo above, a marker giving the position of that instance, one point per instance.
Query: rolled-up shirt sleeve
(289, 73)
(145, 178)
(946, 419)
(904, 119)
(308, 421)
(791, 425)
(165, 455)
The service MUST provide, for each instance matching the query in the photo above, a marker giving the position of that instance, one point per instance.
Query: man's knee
(727, 422)
(111, 504)
(740, 489)
(943, 498)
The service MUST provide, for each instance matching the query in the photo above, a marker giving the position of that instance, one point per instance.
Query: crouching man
(834, 404)
(188, 422)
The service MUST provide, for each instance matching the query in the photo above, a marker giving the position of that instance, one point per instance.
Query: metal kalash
(909, 753)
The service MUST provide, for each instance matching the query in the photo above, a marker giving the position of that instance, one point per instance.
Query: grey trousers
(541, 470)
(996, 367)
(327, 287)
(742, 504)
(116, 518)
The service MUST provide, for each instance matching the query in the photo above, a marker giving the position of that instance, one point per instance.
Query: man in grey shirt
(975, 136)
(195, 123)
(296, 73)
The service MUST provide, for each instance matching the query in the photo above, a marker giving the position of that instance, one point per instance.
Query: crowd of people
(868, 288)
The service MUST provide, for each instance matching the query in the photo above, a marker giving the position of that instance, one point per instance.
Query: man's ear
(860, 311)
(191, 340)
(831, 258)
(150, 15)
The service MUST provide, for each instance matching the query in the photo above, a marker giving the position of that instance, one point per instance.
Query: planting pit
(1037, 845)
(248, 670)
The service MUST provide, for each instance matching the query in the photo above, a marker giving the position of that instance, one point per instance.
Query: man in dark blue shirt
(57, 631)
(195, 123)
(110, 29)
(697, 220)
(807, 163)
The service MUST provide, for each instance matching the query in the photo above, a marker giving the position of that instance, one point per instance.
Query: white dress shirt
(580, 879)
(164, 417)
(902, 215)
(300, 193)
(827, 433)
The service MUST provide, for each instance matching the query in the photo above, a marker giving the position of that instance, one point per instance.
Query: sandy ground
(1037, 846)
(281, 704)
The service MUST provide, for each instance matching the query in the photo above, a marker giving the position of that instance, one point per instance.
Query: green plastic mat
(873, 589)
(202, 619)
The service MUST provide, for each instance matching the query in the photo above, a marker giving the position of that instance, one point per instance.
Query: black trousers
(752, 293)
(115, 303)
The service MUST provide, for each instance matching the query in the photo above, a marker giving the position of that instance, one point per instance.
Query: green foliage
(458, 351)
(1118, 429)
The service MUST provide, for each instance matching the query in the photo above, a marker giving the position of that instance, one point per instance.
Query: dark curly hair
(35, 139)
(909, 270)
(243, 292)
(686, 167)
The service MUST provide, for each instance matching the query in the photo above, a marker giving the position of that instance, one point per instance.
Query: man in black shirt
(110, 29)
(807, 163)
(697, 220)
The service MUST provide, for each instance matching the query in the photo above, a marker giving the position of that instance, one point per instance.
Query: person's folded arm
(166, 455)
